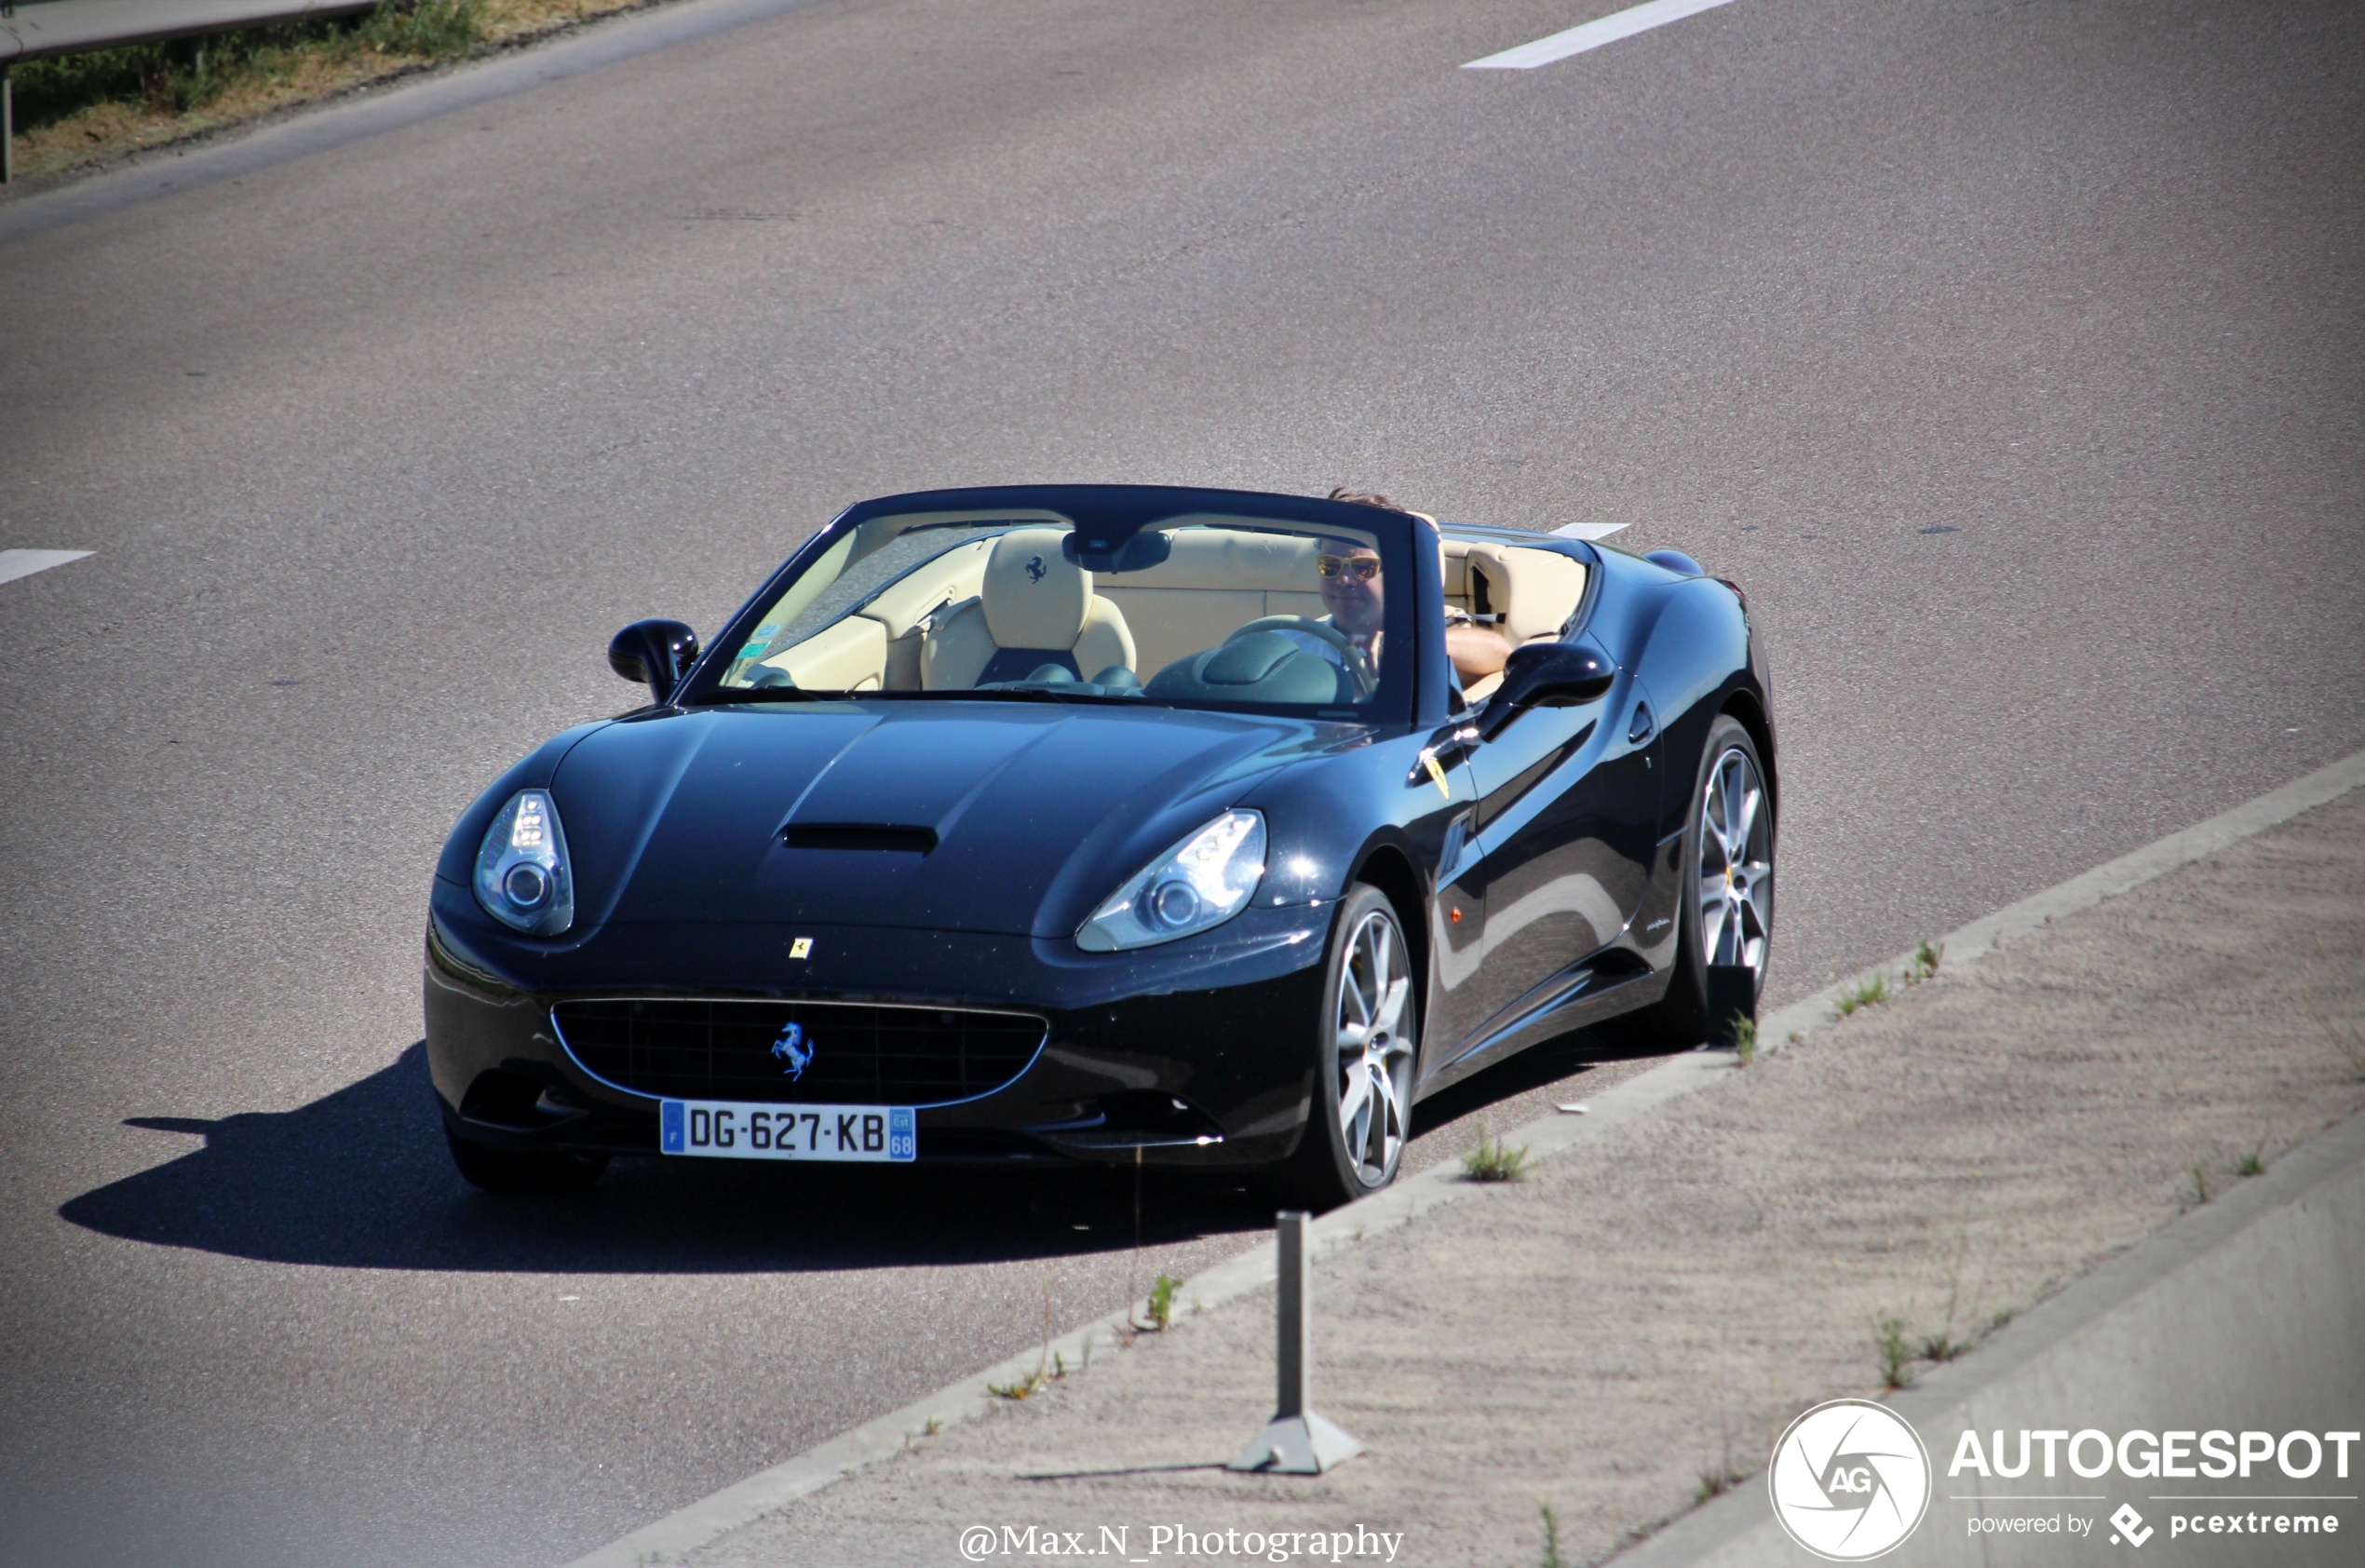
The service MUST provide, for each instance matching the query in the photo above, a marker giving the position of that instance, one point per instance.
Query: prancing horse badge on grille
(791, 1050)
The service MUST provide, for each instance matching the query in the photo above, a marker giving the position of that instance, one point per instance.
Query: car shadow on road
(360, 1179)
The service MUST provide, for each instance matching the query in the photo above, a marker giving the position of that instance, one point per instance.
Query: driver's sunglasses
(1363, 568)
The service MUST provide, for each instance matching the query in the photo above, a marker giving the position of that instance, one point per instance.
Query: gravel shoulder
(1647, 1310)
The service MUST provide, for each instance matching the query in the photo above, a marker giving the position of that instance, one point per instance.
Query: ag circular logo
(1850, 1480)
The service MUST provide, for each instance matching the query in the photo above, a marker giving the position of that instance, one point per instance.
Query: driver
(1351, 592)
(1346, 573)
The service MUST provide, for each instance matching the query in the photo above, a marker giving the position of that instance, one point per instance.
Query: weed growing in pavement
(2253, 1163)
(1744, 1039)
(1495, 1161)
(2347, 1038)
(1049, 1370)
(1720, 1477)
(1925, 963)
(2200, 1180)
(2000, 1319)
(1161, 1304)
(1715, 1483)
(1940, 1346)
(1871, 994)
(1896, 1357)
(1551, 1536)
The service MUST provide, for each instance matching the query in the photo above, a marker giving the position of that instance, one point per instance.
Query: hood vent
(859, 835)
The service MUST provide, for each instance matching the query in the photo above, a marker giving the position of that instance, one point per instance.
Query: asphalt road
(2013, 356)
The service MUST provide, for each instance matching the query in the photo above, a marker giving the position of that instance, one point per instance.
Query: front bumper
(1225, 1023)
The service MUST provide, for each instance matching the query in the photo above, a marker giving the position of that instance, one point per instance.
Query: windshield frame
(1412, 660)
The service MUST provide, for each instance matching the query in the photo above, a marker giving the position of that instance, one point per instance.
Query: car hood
(1038, 812)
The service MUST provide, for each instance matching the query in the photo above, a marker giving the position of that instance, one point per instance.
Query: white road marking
(24, 564)
(1588, 531)
(1593, 34)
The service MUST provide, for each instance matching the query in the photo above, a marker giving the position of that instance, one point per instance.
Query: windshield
(1197, 609)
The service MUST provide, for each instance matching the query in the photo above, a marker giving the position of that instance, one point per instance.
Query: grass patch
(1872, 993)
(83, 108)
(1162, 1303)
(1923, 965)
(1049, 1370)
(1495, 1161)
(1716, 1483)
(1744, 1039)
(1551, 1536)
(1895, 1353)
(2347, 1039)
(1942, 1346)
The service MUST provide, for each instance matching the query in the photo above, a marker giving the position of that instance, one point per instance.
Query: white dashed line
(24, 564)
(1593, 34)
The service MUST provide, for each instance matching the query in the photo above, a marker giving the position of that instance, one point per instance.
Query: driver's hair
(1363, 498)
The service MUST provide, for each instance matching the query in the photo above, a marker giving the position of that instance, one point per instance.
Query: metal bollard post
(1296, 1441)
(8, 128)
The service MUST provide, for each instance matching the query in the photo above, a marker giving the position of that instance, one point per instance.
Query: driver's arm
(1477, 651)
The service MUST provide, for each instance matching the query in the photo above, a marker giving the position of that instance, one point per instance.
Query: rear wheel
(524, 1171)
(1727, 915)
(1361, 1110)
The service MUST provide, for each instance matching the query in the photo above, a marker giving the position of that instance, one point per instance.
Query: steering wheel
(1357, 665)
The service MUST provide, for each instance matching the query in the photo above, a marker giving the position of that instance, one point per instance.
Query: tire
(524, 1171)
(1725, 908)
(1360, 1113)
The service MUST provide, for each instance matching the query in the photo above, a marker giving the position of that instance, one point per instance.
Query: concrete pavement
(2011, 357)
(1655, 1304)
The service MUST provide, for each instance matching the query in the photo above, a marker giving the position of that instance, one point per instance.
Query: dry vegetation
(89, 109)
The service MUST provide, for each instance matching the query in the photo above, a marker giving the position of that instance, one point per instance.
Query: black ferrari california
(1102, 822)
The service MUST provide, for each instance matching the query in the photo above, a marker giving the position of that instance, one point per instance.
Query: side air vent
(859, 835)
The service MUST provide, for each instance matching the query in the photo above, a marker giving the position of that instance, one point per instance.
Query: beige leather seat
(1034, 607)
(1532, 592)
(1214, 580)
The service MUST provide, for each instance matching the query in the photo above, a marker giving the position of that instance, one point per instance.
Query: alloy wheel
(1373, 1050)
(1736, 865)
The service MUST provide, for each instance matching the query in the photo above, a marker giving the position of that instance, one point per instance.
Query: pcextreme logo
(1850, 1481)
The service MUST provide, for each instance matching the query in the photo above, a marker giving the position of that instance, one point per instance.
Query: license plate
(737, 1129)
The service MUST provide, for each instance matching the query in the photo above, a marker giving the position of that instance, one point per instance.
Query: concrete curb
(1723, 1531)
(805, 1473)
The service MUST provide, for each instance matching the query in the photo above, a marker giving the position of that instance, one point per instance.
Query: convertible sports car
(1109, 823)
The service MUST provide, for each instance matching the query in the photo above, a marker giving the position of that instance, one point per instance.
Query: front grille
(815, 1053)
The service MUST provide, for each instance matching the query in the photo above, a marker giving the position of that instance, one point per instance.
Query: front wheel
(1727, 915)
(1369, 1034)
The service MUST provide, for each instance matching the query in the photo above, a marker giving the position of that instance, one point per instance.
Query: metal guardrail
(37, 29)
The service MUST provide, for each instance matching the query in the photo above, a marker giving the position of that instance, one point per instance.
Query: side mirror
(655, 653)
(1545, 675)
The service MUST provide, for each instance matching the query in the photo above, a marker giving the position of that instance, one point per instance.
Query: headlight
(523, 877)
(1204, 881)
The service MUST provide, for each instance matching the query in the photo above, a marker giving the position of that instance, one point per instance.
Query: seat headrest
(1534, 590)
(1034, 596)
